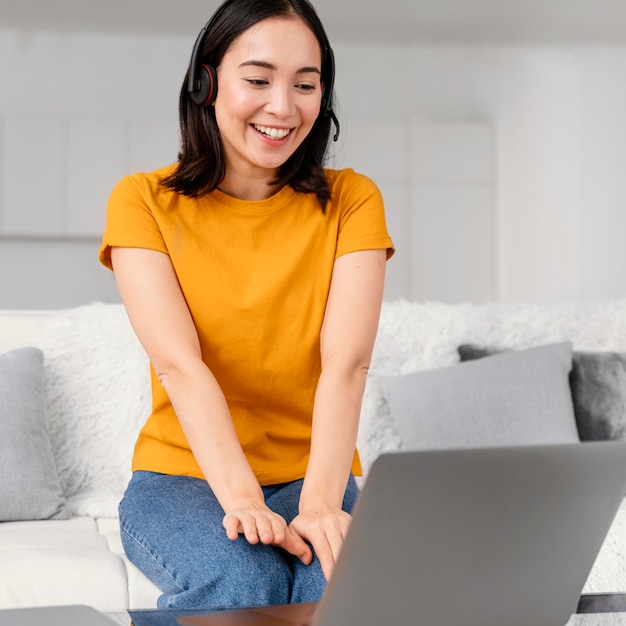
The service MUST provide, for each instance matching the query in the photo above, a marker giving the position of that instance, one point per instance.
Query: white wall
(502, 167)
(559, 150)
(77, 111)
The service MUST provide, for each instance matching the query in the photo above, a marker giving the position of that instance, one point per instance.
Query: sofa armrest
(21, 328)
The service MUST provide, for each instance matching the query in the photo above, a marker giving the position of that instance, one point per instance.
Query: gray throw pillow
(515, 398)
(29, 484)
(598, 387)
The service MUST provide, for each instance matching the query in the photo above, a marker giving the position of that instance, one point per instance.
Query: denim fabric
(171, 529)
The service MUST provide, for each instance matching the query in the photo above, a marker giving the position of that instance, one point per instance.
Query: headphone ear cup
(206, 86)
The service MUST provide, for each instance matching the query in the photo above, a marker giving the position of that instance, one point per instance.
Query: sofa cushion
(45, 563)
(514, 398)
(29, 484)
(598, 387)
(19, 329)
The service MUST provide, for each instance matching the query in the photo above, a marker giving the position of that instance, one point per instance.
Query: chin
(273, 164)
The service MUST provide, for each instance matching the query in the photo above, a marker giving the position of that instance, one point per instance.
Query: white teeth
(274, 133)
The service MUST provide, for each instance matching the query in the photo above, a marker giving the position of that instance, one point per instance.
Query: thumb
(294, 544)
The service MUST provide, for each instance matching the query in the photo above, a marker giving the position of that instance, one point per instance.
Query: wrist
(324, 489)
(232, 498)
(319, 501)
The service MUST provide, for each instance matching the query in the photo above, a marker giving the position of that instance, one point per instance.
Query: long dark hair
(201, 164)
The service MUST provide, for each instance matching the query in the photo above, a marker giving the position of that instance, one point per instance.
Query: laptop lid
(478, 537)
(466, 537)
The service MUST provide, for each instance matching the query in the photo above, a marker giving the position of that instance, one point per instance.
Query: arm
(160, 317)
(347, 342)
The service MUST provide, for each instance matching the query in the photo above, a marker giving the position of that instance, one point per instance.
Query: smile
(272, 133)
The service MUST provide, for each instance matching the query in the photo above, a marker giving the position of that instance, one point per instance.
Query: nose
(281, 102)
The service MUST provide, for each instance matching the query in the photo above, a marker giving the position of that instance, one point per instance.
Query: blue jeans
(171, 529)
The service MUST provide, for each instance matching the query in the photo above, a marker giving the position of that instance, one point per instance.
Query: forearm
(347, 342)
(161, 320)
(206, 421)
(335, 426)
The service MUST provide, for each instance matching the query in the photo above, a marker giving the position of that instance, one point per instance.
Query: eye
(257, 82)
(306, 87)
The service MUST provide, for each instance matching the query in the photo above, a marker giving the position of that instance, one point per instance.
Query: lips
(271, 132)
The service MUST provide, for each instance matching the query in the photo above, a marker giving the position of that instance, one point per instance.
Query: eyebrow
(271, 66)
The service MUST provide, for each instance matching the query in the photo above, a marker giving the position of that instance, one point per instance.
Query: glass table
(607, 609)
(155, 617)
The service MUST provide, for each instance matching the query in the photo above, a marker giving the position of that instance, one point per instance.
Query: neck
(245, 187)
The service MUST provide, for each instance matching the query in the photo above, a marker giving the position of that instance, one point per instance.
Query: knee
(309, 582)
(251, 576)
(148, 561)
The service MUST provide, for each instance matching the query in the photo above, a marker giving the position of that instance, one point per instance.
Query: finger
(296, 545)
(265, 529)
(336, 530)
(279, 529)
(249, 528)
(317, 538)
(241, 524)
(335, 537)
(232, 526)
(324, 553)
(327, 545)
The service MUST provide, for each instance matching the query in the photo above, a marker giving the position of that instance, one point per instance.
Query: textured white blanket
(98, 386)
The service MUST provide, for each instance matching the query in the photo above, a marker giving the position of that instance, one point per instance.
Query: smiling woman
(253, 278)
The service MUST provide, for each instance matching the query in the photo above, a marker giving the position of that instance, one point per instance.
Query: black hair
(201, 165)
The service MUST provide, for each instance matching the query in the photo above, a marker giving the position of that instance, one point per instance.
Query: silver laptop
(480, 537)
(476, 537)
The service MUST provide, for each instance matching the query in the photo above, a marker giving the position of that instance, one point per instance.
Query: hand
(325, 529)
(257, 522)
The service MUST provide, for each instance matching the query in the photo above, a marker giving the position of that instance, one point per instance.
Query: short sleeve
(362, 224)
(130, 221)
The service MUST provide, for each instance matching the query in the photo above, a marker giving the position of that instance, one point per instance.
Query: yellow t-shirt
(256, 277)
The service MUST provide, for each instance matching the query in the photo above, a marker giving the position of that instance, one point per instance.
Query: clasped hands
(321, 527)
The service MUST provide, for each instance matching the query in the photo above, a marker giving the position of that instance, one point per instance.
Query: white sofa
(97, 397)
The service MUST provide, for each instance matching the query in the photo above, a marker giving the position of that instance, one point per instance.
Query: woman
(253, 278)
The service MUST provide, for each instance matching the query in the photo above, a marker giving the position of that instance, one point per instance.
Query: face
(269, 94)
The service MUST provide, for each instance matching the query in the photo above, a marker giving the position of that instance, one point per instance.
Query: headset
(202, 77)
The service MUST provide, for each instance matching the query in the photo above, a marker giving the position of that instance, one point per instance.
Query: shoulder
(144, 183)
(350, 189)
(357, 205)
(348, 179)
(144, 190)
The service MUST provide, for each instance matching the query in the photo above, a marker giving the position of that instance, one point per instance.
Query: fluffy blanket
(98, 388)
